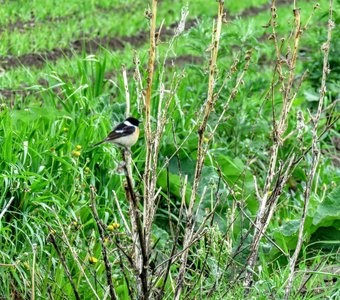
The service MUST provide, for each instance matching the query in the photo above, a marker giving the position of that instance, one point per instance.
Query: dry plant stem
(137, 232)
(209, 240)
(176, 235)
(303, 284)
(75, 256)
(142, 259)
(233, 92)
(265, 235)
(148, 191)
(153, 139)
(127, 228)
(6, 207)
(63, 262)
(127, 93)
(315, 151)
(200, 151)
(34, 248)
(126, 155)
(268, 202)
(101, 231)
(121, 264)
(151, 65)
(7, 265)
(139, 83)
(173, 250)
(176, 256)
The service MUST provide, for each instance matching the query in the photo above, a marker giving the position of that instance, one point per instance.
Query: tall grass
(200, 206)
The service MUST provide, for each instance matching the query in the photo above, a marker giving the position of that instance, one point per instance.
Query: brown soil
(11, 94)
(255, 10)
(8, 93)
(38, 60)
(92, 45)
(184, 60)
(22, 26)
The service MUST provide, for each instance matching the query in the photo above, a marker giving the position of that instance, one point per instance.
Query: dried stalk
(200, 152)
(315, 151)
(138, 233)
(136, 229)
(7, 265)
(127, 228)
(75, 256)
(63, 262)
(6, 207)
(269, 199)
(173, 250)
(34, 248)
(127, 93)
(148, 192)
(151, 66)
(153, 142)
(101, 231)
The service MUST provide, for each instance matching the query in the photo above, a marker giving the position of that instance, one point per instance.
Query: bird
(125, 134)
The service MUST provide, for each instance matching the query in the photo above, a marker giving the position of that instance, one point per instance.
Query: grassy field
(62, 90)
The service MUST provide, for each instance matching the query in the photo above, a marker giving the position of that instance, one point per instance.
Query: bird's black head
(133, 121)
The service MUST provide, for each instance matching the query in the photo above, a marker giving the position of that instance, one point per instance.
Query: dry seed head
(148, 14)
(181, 26)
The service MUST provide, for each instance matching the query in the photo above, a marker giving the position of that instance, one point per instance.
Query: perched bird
(124, 134)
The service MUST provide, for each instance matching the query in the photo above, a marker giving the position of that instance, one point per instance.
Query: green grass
(47, 163)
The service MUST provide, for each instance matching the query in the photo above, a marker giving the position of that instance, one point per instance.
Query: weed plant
(51, 245)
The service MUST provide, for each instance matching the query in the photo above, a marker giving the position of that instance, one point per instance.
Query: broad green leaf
(238, 177)
(173, 184)
(329, 210)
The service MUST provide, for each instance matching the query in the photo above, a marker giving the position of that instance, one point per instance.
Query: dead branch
(101, 231)
(208, 106)
(315, 151)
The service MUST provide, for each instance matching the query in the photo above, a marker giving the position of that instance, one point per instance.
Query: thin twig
(34, 248)
(75, 255)
(102, 243)
(6, 207)
(315, 151)
(51, 238)
(207, 108)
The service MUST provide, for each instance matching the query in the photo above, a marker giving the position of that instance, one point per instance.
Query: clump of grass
(178, 218)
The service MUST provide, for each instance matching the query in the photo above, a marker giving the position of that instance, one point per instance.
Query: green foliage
(327, 213)
(47, 162)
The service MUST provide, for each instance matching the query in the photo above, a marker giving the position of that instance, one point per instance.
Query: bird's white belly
(126, 141)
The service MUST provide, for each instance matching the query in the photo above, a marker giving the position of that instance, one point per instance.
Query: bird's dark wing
(120, 131)
(120, 126)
